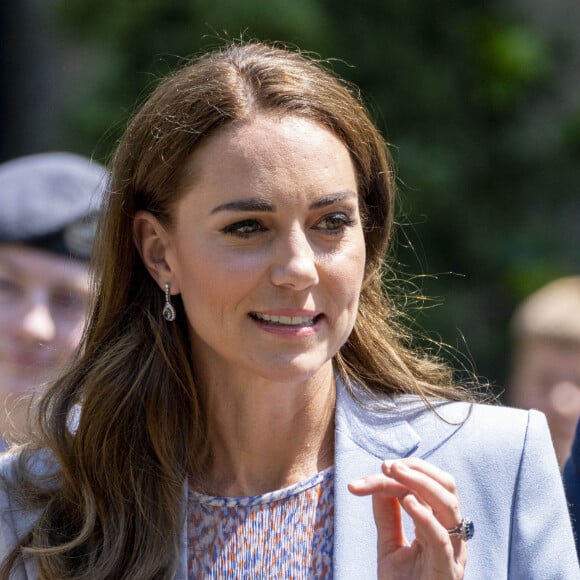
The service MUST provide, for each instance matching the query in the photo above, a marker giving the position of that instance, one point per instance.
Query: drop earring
(168, 309)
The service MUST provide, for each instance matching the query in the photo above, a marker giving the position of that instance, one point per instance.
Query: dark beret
(51, 201)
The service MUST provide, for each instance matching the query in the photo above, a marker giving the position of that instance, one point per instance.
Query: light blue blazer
(506, 473)
(502, 460)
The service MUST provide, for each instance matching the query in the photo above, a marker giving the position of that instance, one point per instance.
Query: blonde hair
(113, 508)
(550, 313)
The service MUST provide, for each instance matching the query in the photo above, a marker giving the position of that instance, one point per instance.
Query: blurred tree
(488, 198)
(140, 42)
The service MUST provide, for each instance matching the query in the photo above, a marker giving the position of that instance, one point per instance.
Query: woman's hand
(429, 496)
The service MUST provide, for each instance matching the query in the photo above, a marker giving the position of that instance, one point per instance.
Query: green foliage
(513, 59)
(141, 41)
(488, 189)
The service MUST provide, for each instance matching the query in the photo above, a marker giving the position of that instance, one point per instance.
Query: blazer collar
(393, 427)
(378, 428)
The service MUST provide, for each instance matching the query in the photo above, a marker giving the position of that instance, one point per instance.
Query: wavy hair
(113, 507)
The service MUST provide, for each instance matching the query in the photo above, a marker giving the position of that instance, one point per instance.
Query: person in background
(545, 365)
(245, 403)
(48, 213)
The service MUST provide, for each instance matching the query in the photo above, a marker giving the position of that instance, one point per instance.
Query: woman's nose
(294, 263)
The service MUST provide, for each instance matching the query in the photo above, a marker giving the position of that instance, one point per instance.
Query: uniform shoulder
(8, 459)
(19, 463)
(17, 467)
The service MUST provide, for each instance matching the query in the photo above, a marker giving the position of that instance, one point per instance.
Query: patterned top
(283, 534)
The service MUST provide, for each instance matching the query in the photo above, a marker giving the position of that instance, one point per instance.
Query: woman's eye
(244, 228)
(335, 222)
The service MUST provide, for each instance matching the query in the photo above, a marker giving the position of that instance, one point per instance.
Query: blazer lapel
(363, 440)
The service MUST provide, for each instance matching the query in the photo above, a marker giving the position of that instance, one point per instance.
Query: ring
(465, 529)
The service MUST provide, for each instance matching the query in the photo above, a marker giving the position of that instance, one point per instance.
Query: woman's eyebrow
(249, 204)
(264, 205)
(333, 198)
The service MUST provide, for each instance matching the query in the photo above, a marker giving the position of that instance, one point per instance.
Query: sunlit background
(480, 101)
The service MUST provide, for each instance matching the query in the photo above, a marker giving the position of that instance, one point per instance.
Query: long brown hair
(113, 507)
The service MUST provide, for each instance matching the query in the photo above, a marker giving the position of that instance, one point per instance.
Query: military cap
(51, 201)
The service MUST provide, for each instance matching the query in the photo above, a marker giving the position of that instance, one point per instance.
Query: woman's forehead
(265, 141)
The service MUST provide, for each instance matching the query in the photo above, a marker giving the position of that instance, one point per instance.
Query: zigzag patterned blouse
(283, 534)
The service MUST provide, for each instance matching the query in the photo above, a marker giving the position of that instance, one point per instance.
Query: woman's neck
(268, 436)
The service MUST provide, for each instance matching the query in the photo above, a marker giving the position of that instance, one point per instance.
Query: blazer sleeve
(542, 543)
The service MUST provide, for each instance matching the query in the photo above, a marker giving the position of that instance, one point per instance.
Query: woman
(250, 407)
(48, 219)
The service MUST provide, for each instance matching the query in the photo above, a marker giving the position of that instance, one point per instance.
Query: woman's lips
(297, 324)
(285, 320)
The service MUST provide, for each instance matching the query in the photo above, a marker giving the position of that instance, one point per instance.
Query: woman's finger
(436, 473)
(444, 551)
(378, 483)
(432, 486)
(389, 522)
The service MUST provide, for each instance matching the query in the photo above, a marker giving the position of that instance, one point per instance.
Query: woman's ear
(153, 244)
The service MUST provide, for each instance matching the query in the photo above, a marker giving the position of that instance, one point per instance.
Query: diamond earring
(168, 309)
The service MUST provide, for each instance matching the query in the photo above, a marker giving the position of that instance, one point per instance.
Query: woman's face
(268, 250)
(43, 305)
